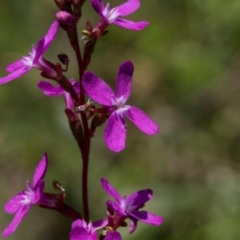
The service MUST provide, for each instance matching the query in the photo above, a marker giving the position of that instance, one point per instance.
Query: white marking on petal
(111, 14)
(120, 102)
(28, 60)
(42, 65)
(130, 207)
(123, 206)
(27, 196)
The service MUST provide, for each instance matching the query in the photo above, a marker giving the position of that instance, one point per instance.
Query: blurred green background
(186, 78)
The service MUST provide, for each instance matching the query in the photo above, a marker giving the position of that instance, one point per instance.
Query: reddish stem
(86, 142)
(85, 178)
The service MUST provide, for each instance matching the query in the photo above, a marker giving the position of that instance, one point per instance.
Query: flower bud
(63, 5)
(65, 19)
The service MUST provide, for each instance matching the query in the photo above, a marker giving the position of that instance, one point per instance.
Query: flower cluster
(84, 118)
(118, 211)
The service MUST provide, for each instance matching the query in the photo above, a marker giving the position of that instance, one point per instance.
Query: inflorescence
(84, 117)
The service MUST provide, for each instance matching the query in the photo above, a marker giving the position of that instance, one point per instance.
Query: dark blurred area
(187, 71)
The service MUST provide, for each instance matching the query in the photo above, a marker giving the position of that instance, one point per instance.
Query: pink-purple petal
(116, 207)
(147, 217)
(99, 224)
(110, 190)
(98, 6)
(124, 80)
(14, 66)
(133, 225)
(142, 121)
(75, 85)
(68, 101)
(80, 233)
(49, 37)
(39, 51)
(16, 220)
(113, 236)
(40, 170)
(128, 7)
(139, 198)
(13, 204)
(50, 90)
(137, 26)
(13, 75)
(97, 89)
(38, 190)
(115, 132)
(77, 223)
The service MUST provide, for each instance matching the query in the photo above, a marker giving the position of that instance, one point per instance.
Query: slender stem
(85, 178)
(85, 149)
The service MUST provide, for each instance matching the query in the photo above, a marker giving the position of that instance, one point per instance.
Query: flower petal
(124, 80)
(147, 217)
(79, 233)
(38, 52)
(97, 89)
(14, 66)
(38, 190)
(110, 190)
(139, 198)
(13, 75)
(100, 224)
(113, 236)
(78, 223)
(133, 225)
(68, 101)
(13, 204)
(40, 170)
(16, 220)
(128, 7)
(49, 37)
(141, 120)
(137, 26)
(50, 90)
(75, 85)
(117, 207)
(115, 132)
(98, 6)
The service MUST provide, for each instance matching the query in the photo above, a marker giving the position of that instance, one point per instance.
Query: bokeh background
(186, 78)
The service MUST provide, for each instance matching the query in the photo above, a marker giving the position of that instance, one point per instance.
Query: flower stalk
(84, 117)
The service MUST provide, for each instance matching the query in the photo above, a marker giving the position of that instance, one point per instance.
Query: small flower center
(129, 205)
(27, 196)
(111, 14)
(123, 205)
(28, 60)
(120, 104)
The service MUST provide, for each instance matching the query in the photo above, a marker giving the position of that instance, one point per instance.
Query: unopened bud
(75, 126)
(64, 5)
(77, 2)
(77, 8)
(97, 121)
(65, 19)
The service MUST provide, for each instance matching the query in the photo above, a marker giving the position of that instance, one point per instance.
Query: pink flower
(50, 90)
(21, 203)
(114, 15)
(128, 206)
(34, 60)
(116, 130)
(87, 231)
